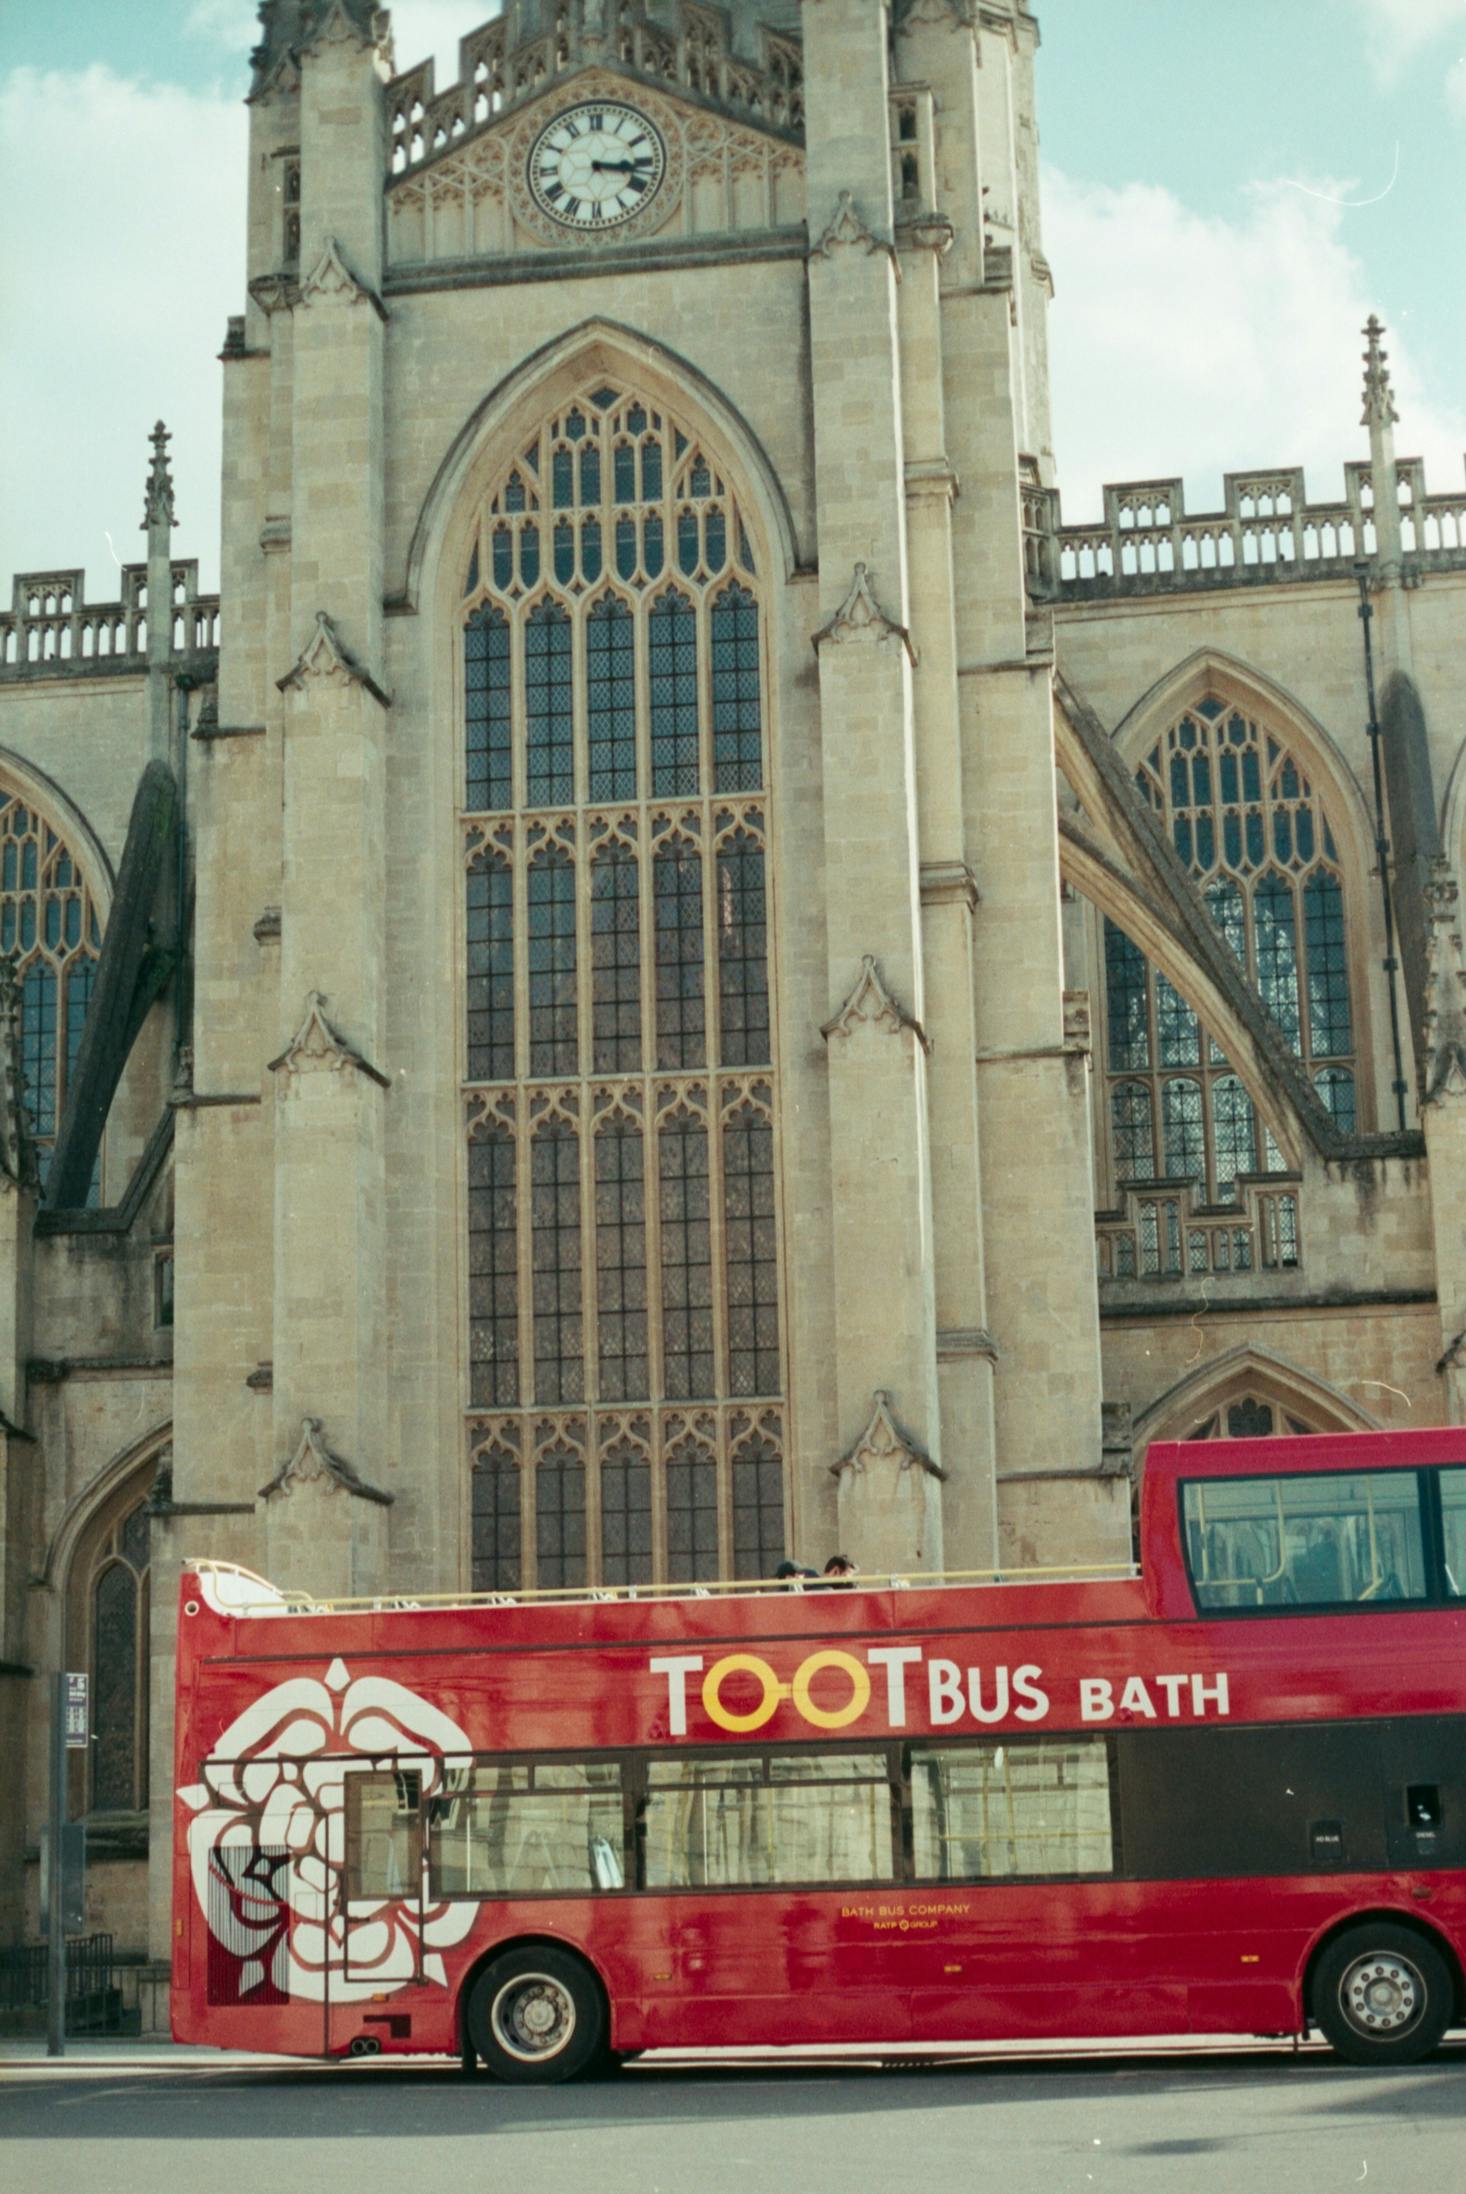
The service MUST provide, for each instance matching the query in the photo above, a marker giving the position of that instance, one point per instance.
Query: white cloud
(1182, 343)
(1455, 89)
(1395, 31)
(231, 24)
(124, 208)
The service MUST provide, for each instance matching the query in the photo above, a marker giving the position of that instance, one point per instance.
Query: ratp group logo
(275, 1783)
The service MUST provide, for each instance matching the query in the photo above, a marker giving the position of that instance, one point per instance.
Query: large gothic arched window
(625, 1374)
(1245, 819)
(50, 932)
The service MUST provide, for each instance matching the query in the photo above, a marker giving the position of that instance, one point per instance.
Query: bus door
(373, 1931)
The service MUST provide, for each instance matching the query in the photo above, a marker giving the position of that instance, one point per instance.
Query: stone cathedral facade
(678, 970)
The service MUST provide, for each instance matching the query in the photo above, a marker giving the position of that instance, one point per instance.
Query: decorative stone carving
(331, 277)
(871, 1001)
(883, 1441)
(183, 1075)
(1379, 408)
(348, 23)
(943, 14)
(847, 227)
(158, 492)
(316, 1046)
(324, 657)
(315, 1464)
(860, 617)
(1445, 989)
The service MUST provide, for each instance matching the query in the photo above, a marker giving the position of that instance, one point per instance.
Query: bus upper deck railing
(275, 1600)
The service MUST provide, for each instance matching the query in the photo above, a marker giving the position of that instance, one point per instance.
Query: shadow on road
(434, 2101)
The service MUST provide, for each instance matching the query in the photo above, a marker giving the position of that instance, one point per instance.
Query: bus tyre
(537, 2014)
(1382, 1994)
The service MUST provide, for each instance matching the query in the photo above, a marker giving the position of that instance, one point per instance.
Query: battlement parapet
(1267, 531)
(51, 630)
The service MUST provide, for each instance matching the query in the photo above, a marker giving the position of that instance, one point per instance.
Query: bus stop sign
(78, 1714)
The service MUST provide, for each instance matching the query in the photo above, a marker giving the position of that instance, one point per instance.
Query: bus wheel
(1382, 1994)
(536, 2014)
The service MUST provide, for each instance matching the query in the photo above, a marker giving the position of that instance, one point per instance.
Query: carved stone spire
(158, 494)
(1379, 405)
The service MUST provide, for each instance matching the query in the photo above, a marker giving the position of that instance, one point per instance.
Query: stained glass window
(555, 1233)
(1244, 817)
(493, 1270)
(692, 1514)
(621, 1296)
(116, 1566)
(681, 985)
(495, 1526)
(560, 1518)
(626, 1516)
(49, 923)
(758, 1509)
(623, 1263)
(615, 962)
(687, 1270)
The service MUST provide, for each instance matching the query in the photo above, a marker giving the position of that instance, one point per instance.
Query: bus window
(530, 1830)
(1453, 1520)
(383, 1834)
(982, 1812)
(739, 1823)
(1324, 1540)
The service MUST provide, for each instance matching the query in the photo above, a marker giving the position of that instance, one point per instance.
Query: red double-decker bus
(1225, 1796)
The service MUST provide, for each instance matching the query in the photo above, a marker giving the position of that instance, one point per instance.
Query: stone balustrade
(1160, 1232)
(50, 628)
(1267, 530)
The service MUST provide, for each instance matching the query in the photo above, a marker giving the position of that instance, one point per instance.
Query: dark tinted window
(1320, 1540)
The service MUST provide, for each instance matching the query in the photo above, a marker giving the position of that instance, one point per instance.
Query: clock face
(596, 165)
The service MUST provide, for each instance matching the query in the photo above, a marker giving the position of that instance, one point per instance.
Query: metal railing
(286, 1602)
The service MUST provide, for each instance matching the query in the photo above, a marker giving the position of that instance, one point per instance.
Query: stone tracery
(622, 1224)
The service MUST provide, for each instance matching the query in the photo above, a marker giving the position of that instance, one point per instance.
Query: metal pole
(56, 1929)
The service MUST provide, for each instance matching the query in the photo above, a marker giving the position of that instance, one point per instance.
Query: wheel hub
(533, 2017)
(1380, 1995)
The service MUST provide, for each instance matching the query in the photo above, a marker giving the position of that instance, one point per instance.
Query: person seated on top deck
(839, 1573)
(794, 1574)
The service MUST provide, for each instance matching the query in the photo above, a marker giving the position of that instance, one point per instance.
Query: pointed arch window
(49, 924)
(107, 1618)
(624, 1285)
(1244, 817)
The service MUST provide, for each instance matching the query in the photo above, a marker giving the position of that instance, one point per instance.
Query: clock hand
(617, 167)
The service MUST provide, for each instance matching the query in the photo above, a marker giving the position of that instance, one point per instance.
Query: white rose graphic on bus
(275, 1783)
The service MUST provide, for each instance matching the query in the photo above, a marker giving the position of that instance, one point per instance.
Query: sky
(1228, 192)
